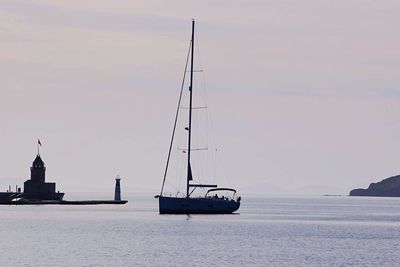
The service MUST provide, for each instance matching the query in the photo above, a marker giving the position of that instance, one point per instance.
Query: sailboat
(211, 203)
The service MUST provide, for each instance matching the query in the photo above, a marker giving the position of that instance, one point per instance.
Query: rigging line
(204, 107)
(172, 185)
(176, 119)
(193, 149)
(203, 90)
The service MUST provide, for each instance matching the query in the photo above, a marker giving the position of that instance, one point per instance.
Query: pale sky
(304, 95)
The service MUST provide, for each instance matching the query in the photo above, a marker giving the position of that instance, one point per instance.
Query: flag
(38, 141)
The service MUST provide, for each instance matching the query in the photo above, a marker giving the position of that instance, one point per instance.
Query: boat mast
(189, 171)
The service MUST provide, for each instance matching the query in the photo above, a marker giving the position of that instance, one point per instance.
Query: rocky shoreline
(389, 187)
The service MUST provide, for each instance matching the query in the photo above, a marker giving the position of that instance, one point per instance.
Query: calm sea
(269, 231)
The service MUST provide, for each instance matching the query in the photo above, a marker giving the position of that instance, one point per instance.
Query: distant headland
(389, 187)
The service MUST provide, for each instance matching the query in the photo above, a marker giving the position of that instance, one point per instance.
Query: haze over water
(269, 231)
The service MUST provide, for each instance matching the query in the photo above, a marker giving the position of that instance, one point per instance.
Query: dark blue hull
(200, 205)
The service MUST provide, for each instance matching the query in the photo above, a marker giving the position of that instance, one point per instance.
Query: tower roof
(38, 162)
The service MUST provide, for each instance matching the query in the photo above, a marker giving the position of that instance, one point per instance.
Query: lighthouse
(37, 188)
(117, 195)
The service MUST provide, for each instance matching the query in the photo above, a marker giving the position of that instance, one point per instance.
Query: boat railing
(234, 197)
(170, 194)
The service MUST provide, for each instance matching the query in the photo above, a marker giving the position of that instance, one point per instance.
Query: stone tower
(38, 170)
(36, 187)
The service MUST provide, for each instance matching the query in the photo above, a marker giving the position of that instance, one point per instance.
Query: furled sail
(190, 177)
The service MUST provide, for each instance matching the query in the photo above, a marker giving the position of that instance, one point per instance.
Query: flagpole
(38, 146)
